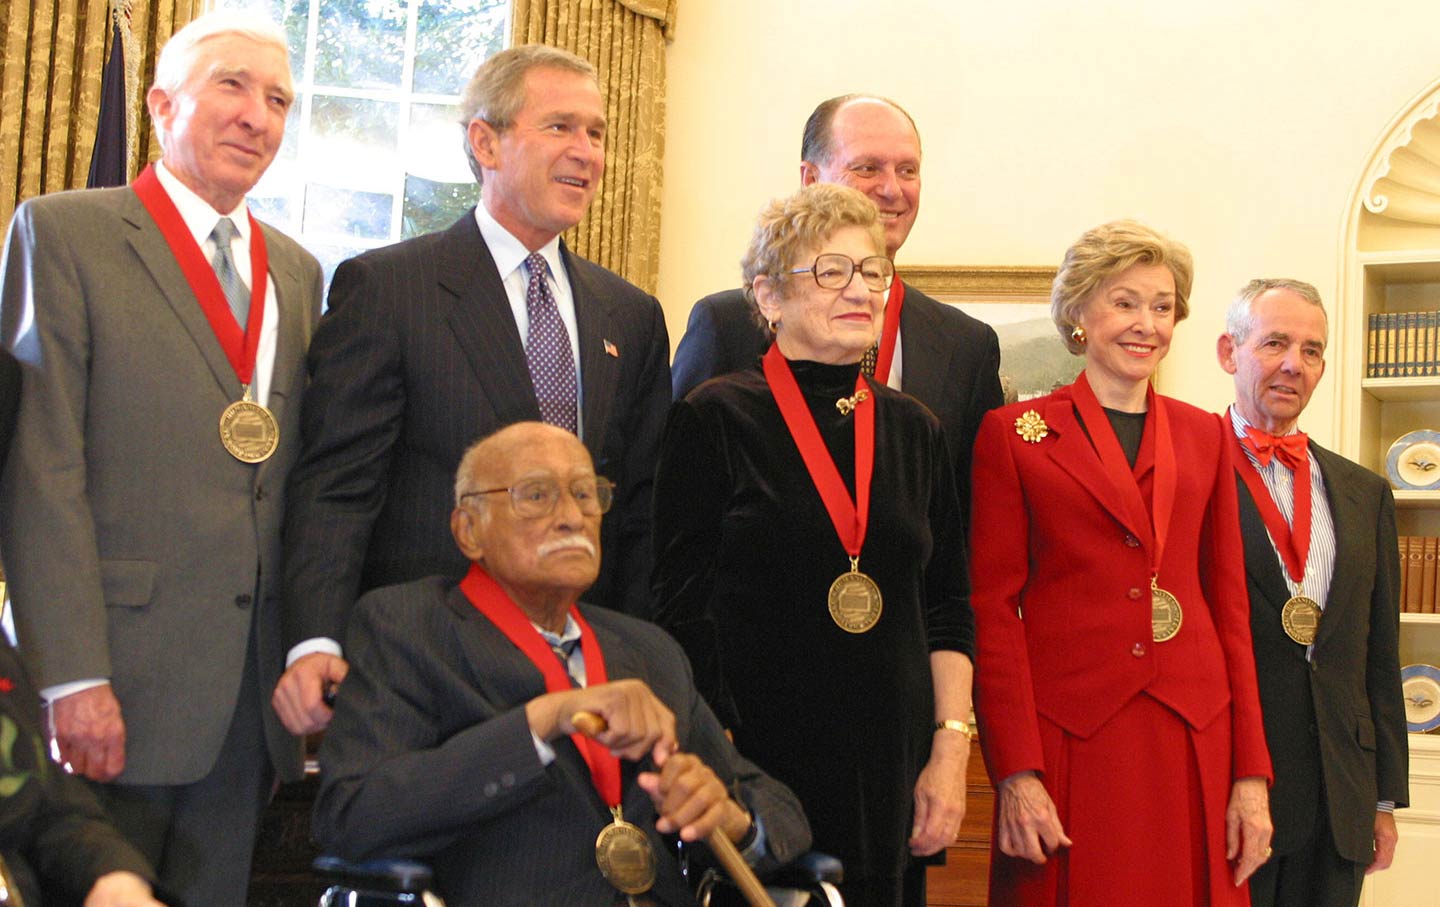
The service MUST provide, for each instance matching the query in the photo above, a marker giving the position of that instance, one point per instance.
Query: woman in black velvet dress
(842, 694)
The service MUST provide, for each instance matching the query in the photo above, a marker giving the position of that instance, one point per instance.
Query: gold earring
(1077, 334)
(772, 326)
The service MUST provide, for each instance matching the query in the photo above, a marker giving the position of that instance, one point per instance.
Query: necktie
(869, 360)
(564, 650)
(236, 292)
(547, 350)
(1293, 452)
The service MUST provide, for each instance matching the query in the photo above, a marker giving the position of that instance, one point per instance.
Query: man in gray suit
(161, 332)
(454, 739)
(1322, 566)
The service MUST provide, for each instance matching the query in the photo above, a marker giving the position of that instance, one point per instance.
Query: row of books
(1403, 344)
(1417, 573)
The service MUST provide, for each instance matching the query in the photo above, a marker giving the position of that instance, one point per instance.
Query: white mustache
(569, 541)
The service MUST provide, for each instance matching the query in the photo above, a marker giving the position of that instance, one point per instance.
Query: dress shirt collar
(199, 217)
(509, 253)
(1239, 424)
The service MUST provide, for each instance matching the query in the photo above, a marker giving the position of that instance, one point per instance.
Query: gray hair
(1240, 317)
(496, 91)
(817, 142)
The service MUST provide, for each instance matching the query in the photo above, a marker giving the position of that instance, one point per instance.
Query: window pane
(335, 210)
(361, 43)
(435, 144)
(452, 38)
(291, 15)
(431, 205)
(353, 142)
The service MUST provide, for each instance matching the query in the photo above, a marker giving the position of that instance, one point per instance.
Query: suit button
(1134, 594)
(243, 600)
(491, 788)
(1131, 541)
(1138, 650)
(507, 780)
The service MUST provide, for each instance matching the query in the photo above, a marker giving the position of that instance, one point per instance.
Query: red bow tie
(1291, 449)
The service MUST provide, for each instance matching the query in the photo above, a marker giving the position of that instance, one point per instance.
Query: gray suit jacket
(430, 755)
(1337, 720)
(134, 543)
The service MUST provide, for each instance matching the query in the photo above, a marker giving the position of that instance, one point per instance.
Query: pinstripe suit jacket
(132, 539)
(1334, 724)
(430, 755)
(418, 357)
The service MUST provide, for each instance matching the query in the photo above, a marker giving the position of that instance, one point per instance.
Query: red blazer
(1050, 541)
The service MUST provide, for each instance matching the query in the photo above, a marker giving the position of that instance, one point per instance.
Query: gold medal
(624, 856)
(855, 600)
(248, 430)
(1165, 614)
(1301, 619)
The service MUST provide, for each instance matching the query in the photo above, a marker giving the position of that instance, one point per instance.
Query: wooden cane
(592, 725)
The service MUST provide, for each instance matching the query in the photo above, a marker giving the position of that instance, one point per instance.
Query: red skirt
(1144, 802)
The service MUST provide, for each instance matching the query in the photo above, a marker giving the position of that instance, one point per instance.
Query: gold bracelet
(951, 724)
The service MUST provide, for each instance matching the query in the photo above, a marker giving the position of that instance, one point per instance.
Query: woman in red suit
(1114, 678)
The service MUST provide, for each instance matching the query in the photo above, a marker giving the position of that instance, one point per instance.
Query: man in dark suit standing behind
(937, 354)
(1323, 572)
(162, 333)
(442, 339)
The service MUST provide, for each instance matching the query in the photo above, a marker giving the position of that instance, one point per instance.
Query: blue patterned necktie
(224, 264)
(548, 351)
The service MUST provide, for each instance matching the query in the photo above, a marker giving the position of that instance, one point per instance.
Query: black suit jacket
(951, 362)
(417, 358)
(1339, 718)
(430, 755)
(54, 835)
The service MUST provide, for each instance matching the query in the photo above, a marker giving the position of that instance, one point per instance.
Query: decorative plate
(1414, 461)
(1421, 687)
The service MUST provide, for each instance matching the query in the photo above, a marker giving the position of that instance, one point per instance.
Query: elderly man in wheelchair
(455, 739)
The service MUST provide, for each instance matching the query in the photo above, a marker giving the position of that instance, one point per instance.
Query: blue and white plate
(1413, 461)
(1421, 686)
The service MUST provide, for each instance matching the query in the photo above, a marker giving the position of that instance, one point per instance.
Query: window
(373, 151)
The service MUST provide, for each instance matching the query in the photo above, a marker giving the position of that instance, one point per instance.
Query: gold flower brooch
(1030, 427)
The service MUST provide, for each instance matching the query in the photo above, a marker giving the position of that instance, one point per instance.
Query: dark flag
(107, 163)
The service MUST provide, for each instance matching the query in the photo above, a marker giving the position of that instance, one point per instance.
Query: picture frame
(1015, 301)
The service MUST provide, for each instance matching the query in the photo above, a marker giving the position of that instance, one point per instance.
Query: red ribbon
(886, 354)
(239, 348)
(492, 601)
(1292, 540)
(1154, 519)
(849, 517)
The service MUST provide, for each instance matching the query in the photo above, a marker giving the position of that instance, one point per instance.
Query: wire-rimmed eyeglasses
(833, 271)
(533, 498)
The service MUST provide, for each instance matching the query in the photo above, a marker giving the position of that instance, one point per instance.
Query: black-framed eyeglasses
(833, 271)
(534, 498)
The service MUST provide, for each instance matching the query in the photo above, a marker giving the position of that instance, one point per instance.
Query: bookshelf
(1390, 265)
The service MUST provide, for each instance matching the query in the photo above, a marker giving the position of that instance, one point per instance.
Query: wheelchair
(808, 881)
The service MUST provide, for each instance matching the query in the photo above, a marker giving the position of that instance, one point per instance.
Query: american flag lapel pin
(611, 349)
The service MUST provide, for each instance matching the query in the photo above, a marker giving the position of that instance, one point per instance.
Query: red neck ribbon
(1292, 540)
(239, 348)
(493, 602)
(886, 354)
(1156, 517)
(850, 517)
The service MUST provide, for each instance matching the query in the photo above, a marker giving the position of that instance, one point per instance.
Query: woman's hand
(1027, 825)
(940, 794)
(1247, 827)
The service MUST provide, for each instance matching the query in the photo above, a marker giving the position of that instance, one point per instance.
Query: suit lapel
(154, 253)
(1262, 563)
(290, 338)
(599, 370)
(1345, 509)
(924, 365)
(1074, 453)
(478, 312)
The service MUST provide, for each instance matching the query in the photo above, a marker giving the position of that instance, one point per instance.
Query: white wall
(1238, 127)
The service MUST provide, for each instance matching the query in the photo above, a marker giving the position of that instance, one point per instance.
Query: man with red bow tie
(1323, 572)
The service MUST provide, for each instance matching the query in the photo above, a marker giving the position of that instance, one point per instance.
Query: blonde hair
(1105, 251)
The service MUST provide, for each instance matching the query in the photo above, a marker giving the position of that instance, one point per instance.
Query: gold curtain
(50, 66)
(625, 39)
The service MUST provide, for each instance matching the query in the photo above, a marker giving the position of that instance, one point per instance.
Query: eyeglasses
(534, 498)
(834, 271)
